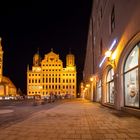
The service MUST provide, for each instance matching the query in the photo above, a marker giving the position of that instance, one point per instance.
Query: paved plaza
(77, 120)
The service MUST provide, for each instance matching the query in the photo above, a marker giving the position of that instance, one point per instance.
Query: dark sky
(26, 26)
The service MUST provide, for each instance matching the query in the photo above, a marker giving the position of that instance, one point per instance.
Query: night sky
(26, 26)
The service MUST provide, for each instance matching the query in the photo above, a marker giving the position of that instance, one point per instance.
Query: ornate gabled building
(48, 75)
(7, 88)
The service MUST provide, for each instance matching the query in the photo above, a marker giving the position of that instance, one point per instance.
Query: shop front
(121, 81)
(131, 78)
(128, 80)
(99, 91)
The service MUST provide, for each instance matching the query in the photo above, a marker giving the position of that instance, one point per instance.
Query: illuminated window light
(111, 47)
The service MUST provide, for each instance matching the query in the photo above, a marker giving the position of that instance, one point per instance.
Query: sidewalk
(75, 120)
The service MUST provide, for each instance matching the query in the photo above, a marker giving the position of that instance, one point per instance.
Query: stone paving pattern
(75, 120)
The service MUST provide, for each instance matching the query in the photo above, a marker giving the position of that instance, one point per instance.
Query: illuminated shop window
(110, 86)
(99, 91)
(132, 78)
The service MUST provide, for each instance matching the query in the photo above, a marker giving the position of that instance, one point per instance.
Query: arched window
(99, 91)
(110, 86)
(132, 78)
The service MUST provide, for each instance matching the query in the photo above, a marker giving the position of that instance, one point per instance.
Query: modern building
(7, 88)
(113, 55)
(48, 75)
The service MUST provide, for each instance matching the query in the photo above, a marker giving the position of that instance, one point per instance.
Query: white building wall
(126, 31)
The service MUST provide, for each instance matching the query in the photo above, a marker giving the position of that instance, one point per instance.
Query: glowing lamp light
(108, 53)
(113, 56)
(87, 85)
(91, 79)
(110, 48)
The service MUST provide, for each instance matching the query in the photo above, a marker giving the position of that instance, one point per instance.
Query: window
(132, 78)
(112, 20)
(99, 91)
(110, 86)
(49, 80)
(101, 47)
(101, 13)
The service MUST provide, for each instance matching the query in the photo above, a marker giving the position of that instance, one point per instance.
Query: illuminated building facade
(113, 55)
(48, 75)
(7, 88)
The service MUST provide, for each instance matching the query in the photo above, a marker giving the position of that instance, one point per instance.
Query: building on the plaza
(113, 55)
(7, 88)
(49, 76)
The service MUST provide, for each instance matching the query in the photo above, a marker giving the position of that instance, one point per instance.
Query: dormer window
(112, 20)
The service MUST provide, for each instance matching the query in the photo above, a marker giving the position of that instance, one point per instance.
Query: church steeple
(0, 43)
(1, 60)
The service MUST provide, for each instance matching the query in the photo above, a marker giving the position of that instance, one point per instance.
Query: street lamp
(111, 56)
